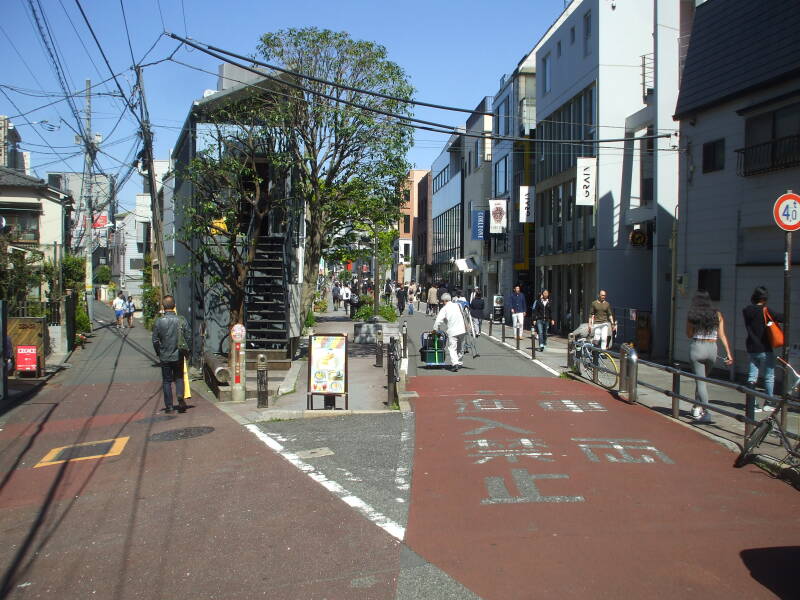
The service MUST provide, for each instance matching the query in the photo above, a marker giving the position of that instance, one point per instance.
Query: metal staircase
(266, 305)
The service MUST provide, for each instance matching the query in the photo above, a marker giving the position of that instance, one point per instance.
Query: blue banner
(480, 220)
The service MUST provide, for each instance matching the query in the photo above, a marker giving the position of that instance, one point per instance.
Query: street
(497, 485)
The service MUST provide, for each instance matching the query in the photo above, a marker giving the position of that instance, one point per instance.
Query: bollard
(261, 381)
(633, 376)
(571, 352)
(503, 335)
(676, 389)
(595, 368)
(534, 343)
(623, 367)
(390, 375)
(405, 339)
(490, 326)
(379, 348)
(749, 412)
(516, 338)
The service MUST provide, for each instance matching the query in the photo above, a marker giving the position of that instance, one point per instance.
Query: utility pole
(157, 242)
(89, 151)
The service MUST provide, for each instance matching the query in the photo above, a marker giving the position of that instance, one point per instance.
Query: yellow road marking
(117, 446)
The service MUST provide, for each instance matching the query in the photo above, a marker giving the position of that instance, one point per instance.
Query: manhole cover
(180, 434)
(156, 419)
(73, 452)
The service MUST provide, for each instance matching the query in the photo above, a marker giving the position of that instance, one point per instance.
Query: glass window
(500, 177)
(714, 156)
(546, 72)
(572, 35)
(587, 33)
(406, 223)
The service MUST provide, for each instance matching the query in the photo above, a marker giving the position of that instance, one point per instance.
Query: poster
(526, 199)
(498, 215)
(327, 368)
(587, 181)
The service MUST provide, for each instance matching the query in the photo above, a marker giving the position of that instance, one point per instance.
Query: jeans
(762, 361)
(476, 324)
(172, 372)
(541, 328)
(601, 333)
(703, 356)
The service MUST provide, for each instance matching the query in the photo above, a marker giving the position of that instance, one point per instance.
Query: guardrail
(629, 383)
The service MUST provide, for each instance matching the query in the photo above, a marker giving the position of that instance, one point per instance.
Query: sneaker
(541, 348)
(697, 412)
(704, 419)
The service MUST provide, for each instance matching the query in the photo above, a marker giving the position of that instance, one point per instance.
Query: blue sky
(453, 52)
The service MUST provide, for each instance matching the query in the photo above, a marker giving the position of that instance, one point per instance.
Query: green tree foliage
(20, 272)
(151, 296)
(102, 275)
(344, 156)
(73, 269)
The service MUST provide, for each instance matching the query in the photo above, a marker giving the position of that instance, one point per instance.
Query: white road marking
(403, 470)
(344, 495)
(546, 368)
(525, 354)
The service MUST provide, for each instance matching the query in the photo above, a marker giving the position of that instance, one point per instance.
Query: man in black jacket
(542, 317)
(171, 335)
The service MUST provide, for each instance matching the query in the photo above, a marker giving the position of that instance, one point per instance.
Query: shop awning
(466, 265)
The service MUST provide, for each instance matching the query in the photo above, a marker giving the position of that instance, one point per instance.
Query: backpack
(183, 346)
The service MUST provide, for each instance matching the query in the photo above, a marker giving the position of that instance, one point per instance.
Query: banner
(479, 220)
(498, 215)
(587, 181)
(526, 200)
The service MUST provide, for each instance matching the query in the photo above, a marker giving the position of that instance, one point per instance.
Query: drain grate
(180, 434)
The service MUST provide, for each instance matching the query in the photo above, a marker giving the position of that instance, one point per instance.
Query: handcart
(433, 347)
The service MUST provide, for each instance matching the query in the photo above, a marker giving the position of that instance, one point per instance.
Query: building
(447, 213)
(739, 115)
(608, 71)
(11, 157)
(130, 245)
(37, 215)
(409, 212)
(422, 245)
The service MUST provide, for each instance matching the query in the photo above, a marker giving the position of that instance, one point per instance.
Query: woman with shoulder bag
(758, 320)
(476, 310)
(704, 326)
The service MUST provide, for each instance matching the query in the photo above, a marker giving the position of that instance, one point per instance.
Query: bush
(320, 306)
(102, 275)
(311, 320)
(82, 323)
(366, 311)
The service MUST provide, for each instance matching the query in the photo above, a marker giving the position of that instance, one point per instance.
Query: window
(714, 156)
(587, 33)
(558, 49)
(546, 72)
(441, 179)
(572, 35)
(23, 227)
(469, 163)
(136, 264)
(502, 117)
(709, 280)
(501, 177)
(406, 223)
(477, 154)
(772, 141)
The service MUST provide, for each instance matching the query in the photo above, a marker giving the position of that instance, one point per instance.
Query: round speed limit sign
(787, 212)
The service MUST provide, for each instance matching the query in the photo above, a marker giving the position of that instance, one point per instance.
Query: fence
(51, 311)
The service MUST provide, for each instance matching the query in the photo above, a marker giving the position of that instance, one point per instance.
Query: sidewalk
(724, 429)
(366, 382)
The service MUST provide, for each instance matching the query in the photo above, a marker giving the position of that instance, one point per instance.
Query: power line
(127, 32)
(326, 82)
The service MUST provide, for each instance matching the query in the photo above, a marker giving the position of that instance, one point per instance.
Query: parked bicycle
(772, 424)
(589, 360)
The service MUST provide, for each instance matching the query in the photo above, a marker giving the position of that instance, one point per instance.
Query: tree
(102, 275)
(20, 272)
(343, 154)
(231, 177)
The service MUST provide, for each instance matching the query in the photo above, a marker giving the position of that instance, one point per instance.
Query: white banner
(498, 215)
(526, 200)
(587, 181)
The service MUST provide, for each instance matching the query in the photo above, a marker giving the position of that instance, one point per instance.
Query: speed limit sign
(787, 212)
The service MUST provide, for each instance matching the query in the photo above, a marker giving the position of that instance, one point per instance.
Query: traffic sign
(787, 212)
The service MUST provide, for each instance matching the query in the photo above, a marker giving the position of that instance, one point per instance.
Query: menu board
(327, 367)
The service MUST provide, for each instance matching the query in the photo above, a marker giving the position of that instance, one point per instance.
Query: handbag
(774, 333)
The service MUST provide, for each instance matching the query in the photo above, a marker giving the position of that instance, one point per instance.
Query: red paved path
(683, 525)
(216, 516)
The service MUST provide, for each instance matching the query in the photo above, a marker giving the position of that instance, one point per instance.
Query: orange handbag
(774, 333)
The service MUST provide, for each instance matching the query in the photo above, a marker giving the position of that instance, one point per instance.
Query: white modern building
(131, 243)
(446, 211)
(739, 114)
(608, 76)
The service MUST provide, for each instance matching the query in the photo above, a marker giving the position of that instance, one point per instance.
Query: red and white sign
(26, 358)
(100, 222)
(787, 212)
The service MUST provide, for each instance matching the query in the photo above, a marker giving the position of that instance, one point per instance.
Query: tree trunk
(311, 267)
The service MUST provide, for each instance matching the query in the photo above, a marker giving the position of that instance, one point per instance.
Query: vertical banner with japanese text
(526, 199)
(587, 181)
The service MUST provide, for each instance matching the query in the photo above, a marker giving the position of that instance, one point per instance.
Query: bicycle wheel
(584, 357)
(752, 442)
(607, 372)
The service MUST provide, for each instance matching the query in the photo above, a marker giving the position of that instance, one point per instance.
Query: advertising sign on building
(498, 215)
(587, 181)
(526, 199)
(327, 368)
(479, 220)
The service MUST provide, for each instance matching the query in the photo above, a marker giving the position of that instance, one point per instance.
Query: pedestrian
(402, 296)
(542, 316)
(759, 348)
(345, 294)
(451, 316)
(119, 308)
(387, 291)
(171, 337)
(355, 302)
(412, 297)
(336, 293)
(476, 310)
(130, 308)
(601, 320)
(433, 299)
(441, 291)
(704, 326)
(518, 306)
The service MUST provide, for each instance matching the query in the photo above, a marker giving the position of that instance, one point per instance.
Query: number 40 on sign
(787, 212)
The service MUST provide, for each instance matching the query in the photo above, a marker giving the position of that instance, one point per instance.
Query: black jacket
(165, 336)
(542, 311)
(756, 329)
(476, 308)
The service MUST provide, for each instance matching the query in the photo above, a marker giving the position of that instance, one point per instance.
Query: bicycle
(771, 424)
(588, 361)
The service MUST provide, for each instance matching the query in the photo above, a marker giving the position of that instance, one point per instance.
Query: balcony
(781, 153)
